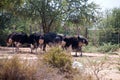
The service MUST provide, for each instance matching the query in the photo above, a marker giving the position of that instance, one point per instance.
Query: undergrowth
(14, 69)
(105, 48)
(57, 58)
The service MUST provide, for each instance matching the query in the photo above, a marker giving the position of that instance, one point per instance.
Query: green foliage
(10, 4)
(110, 31)
(8, 24)
(45, 15)
(108, 47)
(3, 39)
(57, 58)
(4, 23)
(14, 69)
(104, 48)
(90, 49)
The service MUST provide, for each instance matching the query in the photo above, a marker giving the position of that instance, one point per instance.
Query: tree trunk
(47, 26)
(86, 32)
(44, 29)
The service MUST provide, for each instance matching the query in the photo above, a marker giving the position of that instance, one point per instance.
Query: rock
(78, 65)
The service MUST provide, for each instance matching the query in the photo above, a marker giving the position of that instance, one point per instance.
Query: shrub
(89, 49)
(57, 58)
(108, 47)
(14, 69)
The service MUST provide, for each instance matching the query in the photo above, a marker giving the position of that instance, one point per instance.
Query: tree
(45, 12)
(9, 18)
(110, 24)
(84, 15)
(49, 12)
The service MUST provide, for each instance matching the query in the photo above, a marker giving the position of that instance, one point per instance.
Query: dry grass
(14, 69)
(118, 62)
(94, 68)
(53, 65)
(56, 58)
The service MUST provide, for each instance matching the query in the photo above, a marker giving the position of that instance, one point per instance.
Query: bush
(57, 58)
(14, 69)
(108, 47)
(2, 39)
(90, 49)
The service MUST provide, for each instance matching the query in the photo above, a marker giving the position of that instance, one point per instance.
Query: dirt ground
(106, 66)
